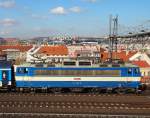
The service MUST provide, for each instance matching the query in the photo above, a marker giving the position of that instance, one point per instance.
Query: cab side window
(25, 70)
(22, 70)
(136, 71)
(129, 71)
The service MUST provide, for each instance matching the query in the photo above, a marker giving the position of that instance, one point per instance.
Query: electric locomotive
(71, 76)
(78, 76)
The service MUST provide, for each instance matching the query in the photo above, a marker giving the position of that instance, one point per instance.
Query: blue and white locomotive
(81, 76)
(70, 76)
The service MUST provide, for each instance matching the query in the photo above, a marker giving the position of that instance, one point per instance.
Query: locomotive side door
(5, 78)
(25, 77)
(130, 74)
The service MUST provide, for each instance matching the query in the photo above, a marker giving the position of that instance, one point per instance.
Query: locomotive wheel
(65, 90)
(95, 90)
(119, 90)
(56, 90)
(87, 90)
(19, 90)
(76, 90)
(103, 90)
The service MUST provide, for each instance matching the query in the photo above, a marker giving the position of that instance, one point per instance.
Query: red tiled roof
(102, 50)
(120, 55)
(54, 50)
(10, 39)
(142, 64)
(17, 47)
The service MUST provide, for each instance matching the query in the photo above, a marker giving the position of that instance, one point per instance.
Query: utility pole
(113, 33)
(110, 39)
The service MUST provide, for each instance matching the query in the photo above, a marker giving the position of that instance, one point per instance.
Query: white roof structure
(140, 56)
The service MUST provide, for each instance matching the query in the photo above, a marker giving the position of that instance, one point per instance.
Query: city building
(15, 52)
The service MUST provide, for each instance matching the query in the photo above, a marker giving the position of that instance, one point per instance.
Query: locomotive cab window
(136, 71)
(22, 70)
(129, 71)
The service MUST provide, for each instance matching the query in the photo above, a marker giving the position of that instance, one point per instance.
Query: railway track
(55, 115)
(72, 97)
(75, 103)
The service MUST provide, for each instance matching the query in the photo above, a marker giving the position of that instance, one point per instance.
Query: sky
(33, 18)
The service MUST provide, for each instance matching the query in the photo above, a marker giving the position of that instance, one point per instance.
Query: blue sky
(31, 18)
